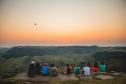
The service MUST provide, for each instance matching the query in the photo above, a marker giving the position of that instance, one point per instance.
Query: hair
(45, 64)
(77, 64)
(32, 66)
(67, 65)
(88, 64)
(37, 63)
(52, 65)
(102, 63)
(95, 64)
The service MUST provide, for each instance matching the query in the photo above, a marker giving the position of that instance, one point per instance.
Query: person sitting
(87, 71)
(31, 70)
(53, 70)
(102, 67)
(45, 69)
(38, 68)
(88, 64)
(77, 70)
(95, 68)
(68, 71)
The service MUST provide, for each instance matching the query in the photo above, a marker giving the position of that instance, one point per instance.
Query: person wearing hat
(31, 69)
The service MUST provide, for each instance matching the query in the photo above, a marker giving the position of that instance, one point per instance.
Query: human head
(37, 63)
(77, 64)
(45, 64)
(67, 65)
(86, 64)
(102, 63)
(52, 65)
(95, 64)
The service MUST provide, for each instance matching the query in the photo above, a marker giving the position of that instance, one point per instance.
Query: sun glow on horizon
(62, 22)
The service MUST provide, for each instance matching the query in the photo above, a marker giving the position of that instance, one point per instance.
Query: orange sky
(62, 23)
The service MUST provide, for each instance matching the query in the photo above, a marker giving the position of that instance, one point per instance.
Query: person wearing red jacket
(95, 68)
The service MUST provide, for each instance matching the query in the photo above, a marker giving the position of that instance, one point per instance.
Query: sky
(62, 22)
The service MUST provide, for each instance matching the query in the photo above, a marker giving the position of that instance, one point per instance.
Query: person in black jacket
(31, 69)
(38, 68)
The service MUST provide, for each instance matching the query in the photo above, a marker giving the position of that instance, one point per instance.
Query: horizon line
(61, 45)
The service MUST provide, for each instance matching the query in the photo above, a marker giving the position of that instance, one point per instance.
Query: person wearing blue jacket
(45, 69)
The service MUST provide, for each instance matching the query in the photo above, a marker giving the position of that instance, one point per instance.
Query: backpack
(68, 70)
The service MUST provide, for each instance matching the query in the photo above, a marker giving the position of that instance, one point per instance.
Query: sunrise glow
(77, 22)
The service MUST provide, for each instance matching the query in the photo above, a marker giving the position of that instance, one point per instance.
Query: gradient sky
(62, 22)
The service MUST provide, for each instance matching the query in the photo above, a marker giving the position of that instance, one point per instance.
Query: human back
(95, 68)
(53, 70)
(87, 70)
(77, 69)
(102, 67)
(38, 68)
(68, 69)
(31, 70)
(45, 69)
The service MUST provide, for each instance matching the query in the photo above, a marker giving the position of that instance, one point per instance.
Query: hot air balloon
(35, 25)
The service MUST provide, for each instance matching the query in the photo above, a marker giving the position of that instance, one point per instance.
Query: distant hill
(20, 51)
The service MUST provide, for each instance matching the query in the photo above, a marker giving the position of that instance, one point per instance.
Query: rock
(103, 77)
(117, 74)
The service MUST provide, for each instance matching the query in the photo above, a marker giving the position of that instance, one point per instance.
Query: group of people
(41, 69)
(86, 69)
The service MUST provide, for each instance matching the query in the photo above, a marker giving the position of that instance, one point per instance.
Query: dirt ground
(63, 79)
